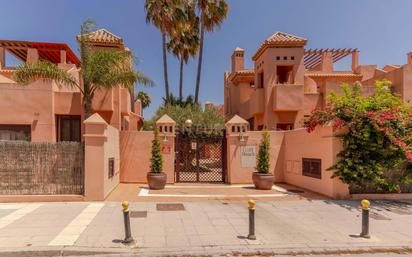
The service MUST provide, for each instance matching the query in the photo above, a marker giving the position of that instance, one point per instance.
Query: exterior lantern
(188, 123)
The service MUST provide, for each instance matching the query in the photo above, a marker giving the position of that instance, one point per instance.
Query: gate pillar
(237, 133)
(166, 127)
(102, 157)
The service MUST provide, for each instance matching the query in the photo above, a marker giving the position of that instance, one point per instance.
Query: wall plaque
(166, 149)
(248, 156)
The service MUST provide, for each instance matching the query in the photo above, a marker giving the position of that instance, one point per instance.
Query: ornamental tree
(263, 158)
(375, 132)
(156, 162)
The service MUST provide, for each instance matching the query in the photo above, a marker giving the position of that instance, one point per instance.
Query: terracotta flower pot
(156, 181)
(263, 181)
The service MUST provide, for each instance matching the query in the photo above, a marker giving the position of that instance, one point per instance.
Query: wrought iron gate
(200, 157)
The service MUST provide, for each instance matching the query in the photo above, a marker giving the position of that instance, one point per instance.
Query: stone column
(327, 62)
(2, 57)
(94, 163)
(237, 133)
(355, 60)
(166, 127)
(32, 55)
(63, 56)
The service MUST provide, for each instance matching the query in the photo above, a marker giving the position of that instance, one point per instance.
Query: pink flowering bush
(377, 137)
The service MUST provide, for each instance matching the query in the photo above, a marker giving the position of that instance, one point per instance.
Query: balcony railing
(287, 97)
(257, 101)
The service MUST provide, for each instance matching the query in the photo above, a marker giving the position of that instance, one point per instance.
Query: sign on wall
(166, 149)
(248, 156)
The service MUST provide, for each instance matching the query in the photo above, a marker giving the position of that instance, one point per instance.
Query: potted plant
(156, 178)
(262, 178)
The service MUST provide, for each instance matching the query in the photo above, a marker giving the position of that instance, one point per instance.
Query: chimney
(409, 58)
(238, 61)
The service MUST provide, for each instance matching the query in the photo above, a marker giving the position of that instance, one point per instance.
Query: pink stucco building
(44, 111)
(288, 81)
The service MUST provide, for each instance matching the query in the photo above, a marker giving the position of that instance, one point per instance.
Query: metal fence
(31, 168)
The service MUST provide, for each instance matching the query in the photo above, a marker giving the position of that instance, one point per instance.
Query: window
(261, 80)
(15, 132)
(292, 58)
(285, 58)
(111, 167)
(68, 128)
(284, 126)
(278, 58)
(284, 74)
(312, 167)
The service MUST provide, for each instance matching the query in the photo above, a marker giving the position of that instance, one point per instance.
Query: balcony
(287, 97)
(257, 101)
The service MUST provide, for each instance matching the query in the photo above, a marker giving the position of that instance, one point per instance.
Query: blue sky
(380, 29)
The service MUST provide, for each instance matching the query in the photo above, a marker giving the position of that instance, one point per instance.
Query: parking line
(18, 214)
(70, 234)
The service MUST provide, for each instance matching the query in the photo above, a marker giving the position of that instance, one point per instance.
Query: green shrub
(376, 136)
(156, 161)
(263, 158)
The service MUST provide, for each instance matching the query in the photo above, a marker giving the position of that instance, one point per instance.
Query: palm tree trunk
(199, 64)
(181, 81)
(132, 99)
(87, 108)
(165, 67)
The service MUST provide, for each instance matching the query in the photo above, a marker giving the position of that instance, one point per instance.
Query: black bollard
(251, 206)
(127, 231)
(365, 219)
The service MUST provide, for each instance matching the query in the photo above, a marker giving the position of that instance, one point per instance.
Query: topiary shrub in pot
(156, 178)
(262, 178)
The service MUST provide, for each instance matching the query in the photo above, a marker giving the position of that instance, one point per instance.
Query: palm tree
(144, 98)
(100, 69)
(212, 13)
(163, 14)
(185, 42)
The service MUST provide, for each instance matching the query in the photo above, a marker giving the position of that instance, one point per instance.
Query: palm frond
(142, 79)
(31, 71)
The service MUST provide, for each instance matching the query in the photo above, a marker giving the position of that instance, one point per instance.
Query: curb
(205, 252)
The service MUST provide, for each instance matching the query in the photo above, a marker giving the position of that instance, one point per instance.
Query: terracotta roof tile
(333, 74)
(280, 39)
(105, 37)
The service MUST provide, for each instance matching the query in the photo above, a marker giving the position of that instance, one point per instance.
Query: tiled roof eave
(265, 46)
(234, 76)
(333, 75)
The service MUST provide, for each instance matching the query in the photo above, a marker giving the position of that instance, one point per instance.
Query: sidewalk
(204, 227)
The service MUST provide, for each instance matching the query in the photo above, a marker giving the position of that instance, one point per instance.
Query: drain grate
(170, 207)
(138, 214)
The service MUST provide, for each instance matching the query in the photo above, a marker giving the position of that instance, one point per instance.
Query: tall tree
(212, 13)
(163, 15)
(99, 69)
(144, 98)
(185, 42)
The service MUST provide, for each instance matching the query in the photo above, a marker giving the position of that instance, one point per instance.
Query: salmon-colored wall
(29, 105)
(135, 152)
(237, 174)
(101, 144)
(320, 144)
(287, 148)
(38, 103)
